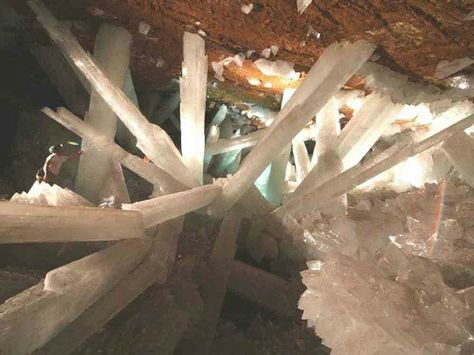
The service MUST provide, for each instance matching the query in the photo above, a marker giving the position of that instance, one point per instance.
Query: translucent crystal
(365, 128)
(33, 223)
(151, 139)
(278, 68)
(339, 62)
(302, 5)
(148, 171)
(65, 293)
(193, 85)
(356, 307)
(460, 152)
(163, 208)
(96, 171)
(42, 193)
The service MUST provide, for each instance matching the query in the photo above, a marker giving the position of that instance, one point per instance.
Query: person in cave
(52, 165)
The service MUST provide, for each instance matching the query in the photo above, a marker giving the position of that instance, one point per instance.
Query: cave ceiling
(413, 36)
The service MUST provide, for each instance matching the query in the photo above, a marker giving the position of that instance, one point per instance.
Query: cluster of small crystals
(439, 223)
(381, 288)
(45, 194)
(388, 303)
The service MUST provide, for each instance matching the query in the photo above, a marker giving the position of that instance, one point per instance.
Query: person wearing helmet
(52, 166)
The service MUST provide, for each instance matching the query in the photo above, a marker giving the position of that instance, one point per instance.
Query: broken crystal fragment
(266, 53)
(303, 5)
(144, 28)
(246, 8)
(278, 68)
(160, 62)
(313, 32)
(254, 81)
(239, 59)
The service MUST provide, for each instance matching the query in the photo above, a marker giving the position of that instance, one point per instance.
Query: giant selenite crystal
(193, 103)
(96, 176)
(163, 208)
(151, 139)
(20, 223)
(276, 179)
(154, 268)
(349, 179)
(365, 128)
(337, 64)
(148, 171)
(64, 294)
(328, 163)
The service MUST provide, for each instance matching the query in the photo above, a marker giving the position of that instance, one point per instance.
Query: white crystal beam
(277, 176)
(328, 162)
(163, 208)
(300, 154)
(213, 133)
(221, 162)
(357, 175)
(220, 115)
(265, 289)
(213, 291)
(27, 223)
(460, 152)
(193, 84)
(237, 143)
(151, 139)
(365, 128)
(279, 164)
(112, 53)
(148, 171)
(65, 293)
(212, 137)
(155, 268)
(327, 129)
(224, 162)
(168, 107)
(337, 64)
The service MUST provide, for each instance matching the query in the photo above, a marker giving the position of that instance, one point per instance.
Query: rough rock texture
(413, 36)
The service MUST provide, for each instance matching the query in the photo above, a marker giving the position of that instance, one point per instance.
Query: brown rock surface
(413, 35)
